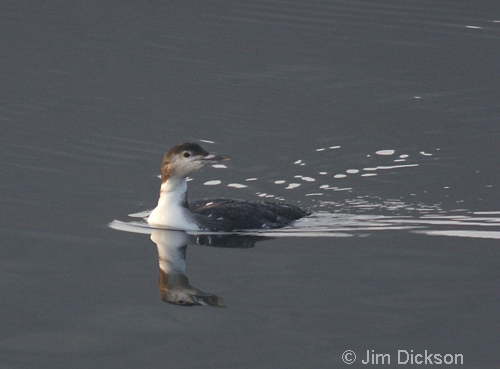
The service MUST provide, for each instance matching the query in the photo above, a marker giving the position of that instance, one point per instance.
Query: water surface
(381, 117)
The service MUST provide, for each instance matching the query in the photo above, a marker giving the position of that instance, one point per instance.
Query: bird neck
(174, 191)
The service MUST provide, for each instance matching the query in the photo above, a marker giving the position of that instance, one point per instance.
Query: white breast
(169, 213)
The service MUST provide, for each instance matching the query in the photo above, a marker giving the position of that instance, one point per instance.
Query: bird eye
(186, 154)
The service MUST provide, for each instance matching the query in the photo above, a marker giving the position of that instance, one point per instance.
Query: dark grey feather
(220, 214)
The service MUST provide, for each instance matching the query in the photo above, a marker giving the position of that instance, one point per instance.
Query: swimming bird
(215, 214)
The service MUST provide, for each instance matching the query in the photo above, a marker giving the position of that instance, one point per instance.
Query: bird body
(218, 214)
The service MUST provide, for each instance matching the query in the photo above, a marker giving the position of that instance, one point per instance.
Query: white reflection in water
(308, 179)
(470, 234)
(335, 188)
(236, 185)
(389, 167)
(361, 172)
(326, 224)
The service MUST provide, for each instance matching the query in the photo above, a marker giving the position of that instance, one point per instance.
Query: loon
(215, 214)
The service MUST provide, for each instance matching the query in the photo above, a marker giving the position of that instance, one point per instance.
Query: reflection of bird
(218, 214)
(173, 283)
(175, 289)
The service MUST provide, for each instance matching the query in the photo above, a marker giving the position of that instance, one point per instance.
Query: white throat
(171, 211)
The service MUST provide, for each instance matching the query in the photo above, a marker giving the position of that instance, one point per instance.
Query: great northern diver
(218, 214)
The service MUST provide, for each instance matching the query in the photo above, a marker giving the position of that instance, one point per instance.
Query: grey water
(380, 117)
